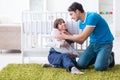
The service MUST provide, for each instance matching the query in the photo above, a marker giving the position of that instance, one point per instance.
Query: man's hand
(60, 37)
(63, 35)
(65, 32)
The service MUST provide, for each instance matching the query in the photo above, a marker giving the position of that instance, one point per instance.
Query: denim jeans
(60, 60)
(97, 54)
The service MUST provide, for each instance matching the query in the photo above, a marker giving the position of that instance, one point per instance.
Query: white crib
(36, 29)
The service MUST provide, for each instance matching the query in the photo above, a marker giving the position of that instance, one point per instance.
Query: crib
(36, 29)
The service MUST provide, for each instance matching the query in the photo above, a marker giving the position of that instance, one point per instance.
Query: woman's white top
(56, 44)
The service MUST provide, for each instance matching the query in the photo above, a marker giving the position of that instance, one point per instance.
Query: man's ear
(77, 11)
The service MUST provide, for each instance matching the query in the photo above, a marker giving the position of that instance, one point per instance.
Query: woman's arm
(58, 43)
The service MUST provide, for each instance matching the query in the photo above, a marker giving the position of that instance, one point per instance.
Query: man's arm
(81, 37)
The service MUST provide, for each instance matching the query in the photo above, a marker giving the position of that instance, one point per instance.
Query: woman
(62, 54)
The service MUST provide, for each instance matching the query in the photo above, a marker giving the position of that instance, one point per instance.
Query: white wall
(62, 5)
(117, 16)
(105, 7)
(37, 5)
(10, 10)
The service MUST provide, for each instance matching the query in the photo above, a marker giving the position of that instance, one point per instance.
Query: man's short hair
(76, 6)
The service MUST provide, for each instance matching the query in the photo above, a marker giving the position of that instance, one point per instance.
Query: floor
(15, 57)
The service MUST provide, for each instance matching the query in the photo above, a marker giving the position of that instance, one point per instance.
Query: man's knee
(82, 65)
(100, 67)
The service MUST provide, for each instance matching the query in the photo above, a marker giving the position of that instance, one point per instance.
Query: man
(99, 52)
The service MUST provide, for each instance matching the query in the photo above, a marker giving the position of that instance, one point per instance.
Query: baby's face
(62, 26)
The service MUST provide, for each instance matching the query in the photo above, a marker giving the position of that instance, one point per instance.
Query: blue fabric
(101, 33)
(60, 60)
(97, 54)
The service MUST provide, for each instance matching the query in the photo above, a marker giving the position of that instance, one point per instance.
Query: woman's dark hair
(58, 21)
(76, 6)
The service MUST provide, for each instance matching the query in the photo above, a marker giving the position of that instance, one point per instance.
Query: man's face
(74, 15)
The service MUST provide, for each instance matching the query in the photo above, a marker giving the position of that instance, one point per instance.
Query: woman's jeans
(97, 54)
(60, 60)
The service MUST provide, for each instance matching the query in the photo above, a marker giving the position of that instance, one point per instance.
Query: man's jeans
(97, 54)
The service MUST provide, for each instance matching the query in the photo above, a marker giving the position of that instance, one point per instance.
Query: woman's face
(62, 25)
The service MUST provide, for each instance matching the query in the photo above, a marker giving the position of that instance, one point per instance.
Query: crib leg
(22, 57)
(22, 60)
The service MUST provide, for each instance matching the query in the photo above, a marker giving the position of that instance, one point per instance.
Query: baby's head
(59, 23)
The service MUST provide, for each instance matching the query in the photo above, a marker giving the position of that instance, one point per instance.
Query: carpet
(37, 72)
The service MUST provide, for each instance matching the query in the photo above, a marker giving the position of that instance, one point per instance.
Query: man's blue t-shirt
(101, 33)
